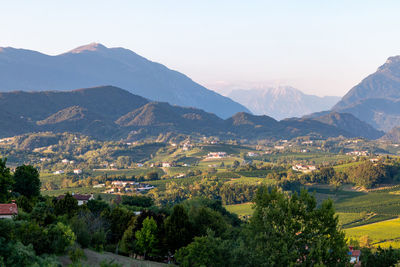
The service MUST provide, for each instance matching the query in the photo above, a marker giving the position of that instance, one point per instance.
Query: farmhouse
(77, 171)
(123, 183)
(252, 154)
(7, 211)
(166, 165)
(358, 153)
(58, 172)
(82, 199)
(304, 168)
(216, 155)
(355, 256)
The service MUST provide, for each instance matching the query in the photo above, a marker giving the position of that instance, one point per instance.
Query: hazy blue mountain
(376, 99)
(393, 135)
(350, 123)
(96, 65)
(113, 113)
(282, 102)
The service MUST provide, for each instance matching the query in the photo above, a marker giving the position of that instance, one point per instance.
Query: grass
(94, 258)
(78, 190)
(314, 157)
(161, 184)
(381, 233)
(348, 218)
(343, 167)
(211, 162)
(253, 180)
(376, 202)
(244, 209)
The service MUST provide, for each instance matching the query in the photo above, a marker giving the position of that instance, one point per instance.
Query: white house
(166, 164)
(58, 172)
(217, 155)
(65, 161)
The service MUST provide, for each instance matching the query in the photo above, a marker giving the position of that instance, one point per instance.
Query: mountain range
(96, 65)
(109, 112)
(281, 102)
(376, 99)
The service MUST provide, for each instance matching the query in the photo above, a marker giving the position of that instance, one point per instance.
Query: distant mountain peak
(89, 47)
(94, 64)
(281, 102)
(394, 59)
(376, 99)
(390, 66)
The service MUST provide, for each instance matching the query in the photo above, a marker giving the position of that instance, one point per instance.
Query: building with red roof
(8, 211)
(82, 199)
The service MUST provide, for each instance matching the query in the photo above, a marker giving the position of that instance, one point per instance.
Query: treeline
(367, 174)
(211, 188)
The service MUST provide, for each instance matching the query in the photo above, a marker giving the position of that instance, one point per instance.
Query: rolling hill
(113, 113)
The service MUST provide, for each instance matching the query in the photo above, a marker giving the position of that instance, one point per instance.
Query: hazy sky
(321, 47)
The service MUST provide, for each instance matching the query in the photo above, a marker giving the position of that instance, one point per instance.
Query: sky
(318, 46)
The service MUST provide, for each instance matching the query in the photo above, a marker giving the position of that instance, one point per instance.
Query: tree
(128, 240)
(67, 205)
(6, 181)
(152, 175)
(365, 241)
(27, 181)
(139, 201)
(287, 229)
(379, 258)
(178, 228)
(205, 251)
(96, 206)
(235, 164)
(60, 237)
(205, 218)
(146, 238)
(118, 219)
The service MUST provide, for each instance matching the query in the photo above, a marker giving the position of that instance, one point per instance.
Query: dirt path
(94, 259)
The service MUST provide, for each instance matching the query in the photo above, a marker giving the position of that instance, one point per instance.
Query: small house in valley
(82, 199)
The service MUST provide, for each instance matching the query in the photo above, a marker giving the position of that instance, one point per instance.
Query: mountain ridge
(376, 99)
(96, 65)
(112, 113)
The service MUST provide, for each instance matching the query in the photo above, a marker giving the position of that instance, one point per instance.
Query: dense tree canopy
(286, 229)
(6, 181)
(27, 181)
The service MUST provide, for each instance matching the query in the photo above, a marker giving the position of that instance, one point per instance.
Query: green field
(78, 190)
(382, 233)
(244, 209)
(314, 157)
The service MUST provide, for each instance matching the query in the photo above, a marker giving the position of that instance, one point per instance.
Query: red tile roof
(355, 253)
(8, 209)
